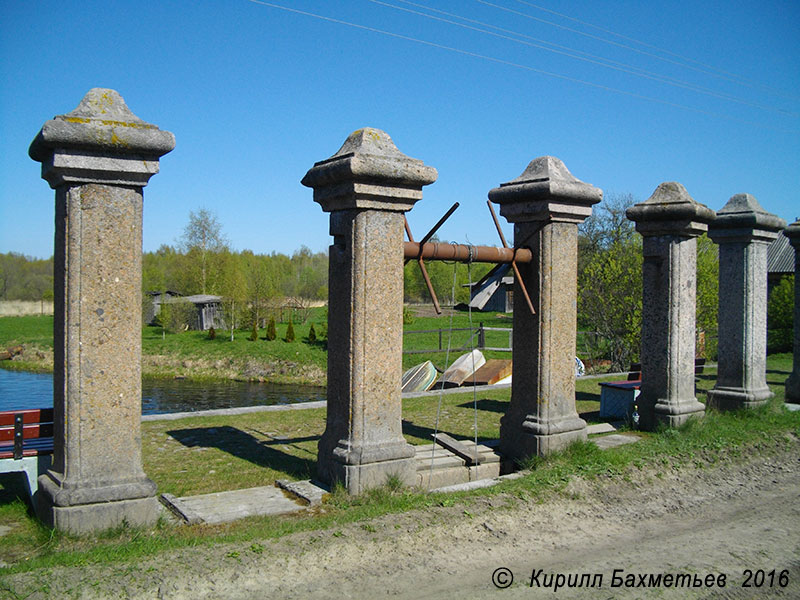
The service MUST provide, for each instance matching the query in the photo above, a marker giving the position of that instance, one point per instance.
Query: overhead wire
(719, 75)
(567, 51)
(741, 80)
(521, 66)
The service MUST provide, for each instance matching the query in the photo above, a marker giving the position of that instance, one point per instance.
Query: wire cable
(521, 66)
(569, 52)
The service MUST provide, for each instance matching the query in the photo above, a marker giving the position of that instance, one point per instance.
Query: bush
(312, 334)
(271, 333)
(289, 333)
(780, 317)
(254, 333)
(212, 334)
(408, 315)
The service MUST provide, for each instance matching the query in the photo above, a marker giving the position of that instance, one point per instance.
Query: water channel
(35, 390)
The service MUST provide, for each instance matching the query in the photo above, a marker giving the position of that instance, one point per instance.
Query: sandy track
(720, 520)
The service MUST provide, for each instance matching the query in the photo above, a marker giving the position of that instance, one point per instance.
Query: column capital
(368, 171)
(743, 219)
(670, 211)
(546, 191)
(793, 233)
(101, 141)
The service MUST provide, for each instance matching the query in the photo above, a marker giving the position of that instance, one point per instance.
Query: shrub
(780, 317)
(312, 334)
(289, 333)
(212, 334)
(271, 333)
(254, 333)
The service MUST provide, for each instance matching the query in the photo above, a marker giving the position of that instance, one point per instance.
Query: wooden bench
(26, 444)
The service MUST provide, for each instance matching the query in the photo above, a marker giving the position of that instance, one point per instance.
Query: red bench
(26, 443)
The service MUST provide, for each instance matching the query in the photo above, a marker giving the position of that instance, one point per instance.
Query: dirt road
(722, 520)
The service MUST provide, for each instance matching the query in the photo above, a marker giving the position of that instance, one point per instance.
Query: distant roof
(780, 256)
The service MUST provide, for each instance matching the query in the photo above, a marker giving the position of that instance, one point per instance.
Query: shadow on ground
(261, 452)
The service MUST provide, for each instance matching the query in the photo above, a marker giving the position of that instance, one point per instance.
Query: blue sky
(256, 94)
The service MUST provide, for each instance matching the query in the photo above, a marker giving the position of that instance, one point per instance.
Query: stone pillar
(743, 231)
(793, 382)
(670, 222)
(98, 158)
(546, 203)
(366, 186)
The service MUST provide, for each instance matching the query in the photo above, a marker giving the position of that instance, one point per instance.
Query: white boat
(461, 369)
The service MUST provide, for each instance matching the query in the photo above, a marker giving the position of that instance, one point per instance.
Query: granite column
(743, 231)
(366, 186)
(793, 382)
(546, 203)
(98, 158)
(670, 222)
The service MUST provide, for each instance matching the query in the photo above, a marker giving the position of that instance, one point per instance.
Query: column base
(535, 438)
(734, 398)
(86, 509)
(363, 466)
(793, 388)
(674, 413)
(92, 518)
(358, 478)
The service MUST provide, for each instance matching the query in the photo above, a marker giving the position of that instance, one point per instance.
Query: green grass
(459, 341)
(204, 454)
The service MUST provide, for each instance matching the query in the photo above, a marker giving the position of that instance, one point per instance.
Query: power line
(515, 65)
(567, 51)
(741, 79)
(734, 79)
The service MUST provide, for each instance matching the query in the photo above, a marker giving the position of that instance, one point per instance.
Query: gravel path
(713, 521)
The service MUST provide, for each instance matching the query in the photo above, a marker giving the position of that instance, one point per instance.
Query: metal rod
(422, 268)
(439, 223)
(463, 253)
(513, 262)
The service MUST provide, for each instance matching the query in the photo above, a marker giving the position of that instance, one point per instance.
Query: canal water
(159, 396)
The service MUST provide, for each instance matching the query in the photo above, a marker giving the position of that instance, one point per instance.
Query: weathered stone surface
(670, 221)
(368, 171)
(545, 203)
(101, 141)
(743, 230)
(366, 186)
(96, 480)
(793, 382)
(545, 191)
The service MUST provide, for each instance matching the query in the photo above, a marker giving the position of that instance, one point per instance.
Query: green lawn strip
(234, 457)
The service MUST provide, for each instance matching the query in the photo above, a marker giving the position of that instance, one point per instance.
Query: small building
(206, 311)
(494, 292)
(780, 261)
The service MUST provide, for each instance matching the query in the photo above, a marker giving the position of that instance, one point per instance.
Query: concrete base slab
(312, 493)
(792, 407)
(438, 467)
(603, 428)
(222, 507)
(612, 441)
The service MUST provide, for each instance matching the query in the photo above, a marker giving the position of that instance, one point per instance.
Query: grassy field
(205, 454)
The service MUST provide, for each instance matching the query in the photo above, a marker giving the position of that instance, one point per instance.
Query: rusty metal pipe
(464, 253)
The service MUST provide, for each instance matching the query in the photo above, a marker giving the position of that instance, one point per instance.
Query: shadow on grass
(248, 447)
(779, 372)
(498, 406)
(14, 489)
(426, 433)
